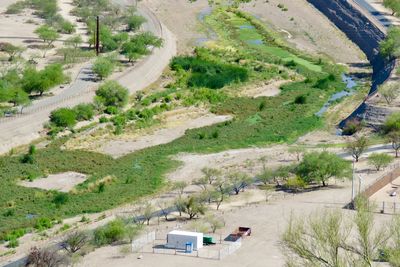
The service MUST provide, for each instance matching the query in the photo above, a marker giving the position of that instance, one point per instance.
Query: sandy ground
(270, 88)
(173, 125)
(248, 160)
(309, 30)
(267, 220)
(63, 182)
(180, 16)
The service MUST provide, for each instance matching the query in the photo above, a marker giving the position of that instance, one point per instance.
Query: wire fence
(154, 243)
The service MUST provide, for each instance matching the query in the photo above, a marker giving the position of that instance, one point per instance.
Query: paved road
(25, 128)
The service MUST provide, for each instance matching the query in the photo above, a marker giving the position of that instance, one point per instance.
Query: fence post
(394, 207)
(383, 207)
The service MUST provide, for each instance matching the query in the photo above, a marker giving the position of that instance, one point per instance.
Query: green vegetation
(390, 46)
(112, 94)
(63, 117)
(209, 74)
(139, 45)
(320, 167)
(256, 121)
(103, 67)
(394, 5)
(379, 160)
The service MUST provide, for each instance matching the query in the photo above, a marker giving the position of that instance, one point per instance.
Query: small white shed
(177, 239)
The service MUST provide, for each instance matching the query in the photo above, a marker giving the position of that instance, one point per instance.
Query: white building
(178, 239)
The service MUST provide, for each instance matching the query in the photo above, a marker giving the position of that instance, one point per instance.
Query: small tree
(379, 160)
(193, 207)
(179, 204)
(222, 189)
(131, 231)
(75, 241)
(12, 50)
(211, 174)
(238, 181)
(103, 67)
(389, 91)
(320, 167)
(165, 208)
(394, 138)
(214, 222)
(201, 182)
(134, 22)
(18, 97)
(298, 151)
(179, 186)
(48, 35)
(74, 41)
(357, 147)
(266, 176)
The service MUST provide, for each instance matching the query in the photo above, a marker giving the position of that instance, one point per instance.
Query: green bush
(205, 73)
(111, 233)
(66, 27)
(134, 22)
(103, 67)
(301, 99)
(43, 224)
(84, 112)
(63, 117)
(13, 243)
(111, 93)
(60, 199)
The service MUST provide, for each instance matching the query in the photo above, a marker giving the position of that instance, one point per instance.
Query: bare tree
(298, 151)
(165, 208)
(75, 241)
(45, 258)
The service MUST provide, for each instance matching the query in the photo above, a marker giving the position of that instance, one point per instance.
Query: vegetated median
(258, 121)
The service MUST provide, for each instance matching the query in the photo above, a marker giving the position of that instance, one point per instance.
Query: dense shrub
(352, 126)
(113, 94)
(112, 232)
(43, 224)
(103, 67)
(213, 75)
(63, 117)
(301, 99)
(84, 112)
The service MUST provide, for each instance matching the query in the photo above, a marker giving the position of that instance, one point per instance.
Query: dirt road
(25, 128)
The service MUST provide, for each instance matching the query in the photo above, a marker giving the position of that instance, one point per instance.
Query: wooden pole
(97, 36)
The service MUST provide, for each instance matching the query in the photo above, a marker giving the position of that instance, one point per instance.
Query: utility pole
(352, 187)
(97, 36)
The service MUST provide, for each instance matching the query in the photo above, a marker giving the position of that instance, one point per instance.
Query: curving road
(25, 128)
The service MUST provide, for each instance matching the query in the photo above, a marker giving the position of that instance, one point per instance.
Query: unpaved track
(24, 129)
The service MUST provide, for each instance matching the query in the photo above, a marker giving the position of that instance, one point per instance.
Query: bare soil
(63, 182)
